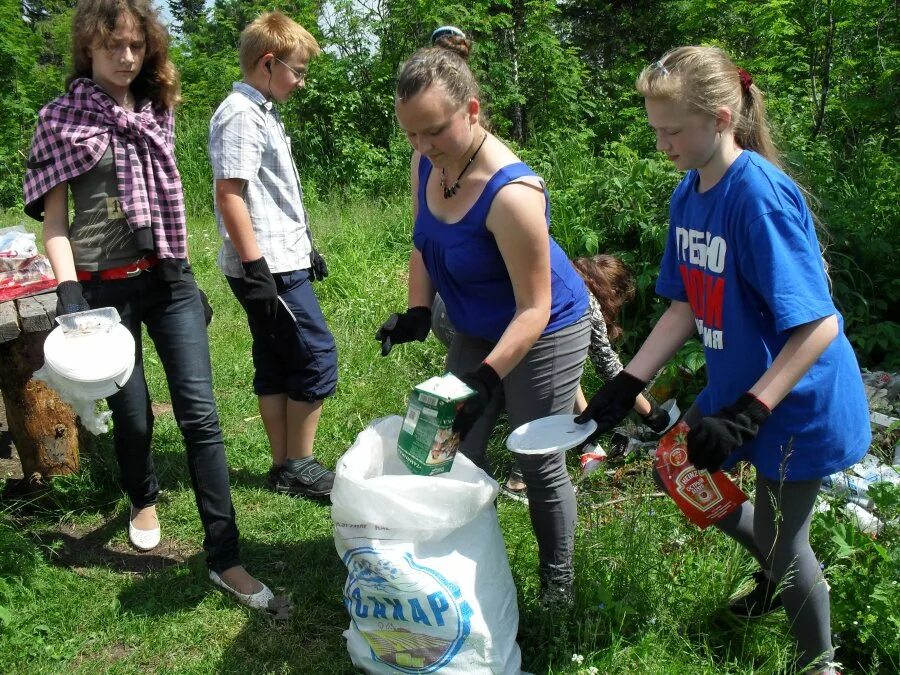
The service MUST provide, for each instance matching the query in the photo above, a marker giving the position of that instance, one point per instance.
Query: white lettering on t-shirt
(697, 248)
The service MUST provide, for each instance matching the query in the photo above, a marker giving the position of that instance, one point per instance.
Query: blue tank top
(466, 267)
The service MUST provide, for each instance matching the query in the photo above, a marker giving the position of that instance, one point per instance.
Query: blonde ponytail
(706, 79)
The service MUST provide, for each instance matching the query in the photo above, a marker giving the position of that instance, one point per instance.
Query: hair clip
(746, 80)
(446, 30)
(660, 66)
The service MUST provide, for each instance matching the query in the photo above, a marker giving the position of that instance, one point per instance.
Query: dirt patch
(161, 409)
(79, 547)
(110, 654)
(10, 466)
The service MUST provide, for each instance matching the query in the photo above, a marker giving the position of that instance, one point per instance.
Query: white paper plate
(555, 433)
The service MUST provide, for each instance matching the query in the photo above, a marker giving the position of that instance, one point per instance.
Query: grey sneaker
(313, 480)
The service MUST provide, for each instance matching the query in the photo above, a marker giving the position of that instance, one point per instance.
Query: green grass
(74, 598)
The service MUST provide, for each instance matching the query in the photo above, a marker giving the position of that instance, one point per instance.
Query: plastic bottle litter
(865, 521)
(849, 487)
(871, 470)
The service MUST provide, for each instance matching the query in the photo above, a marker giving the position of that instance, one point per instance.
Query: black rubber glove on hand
(262, 293)
(612, 402)
(69, 298)
(413, 324)
(484, 381)
(318, 270)
(207, 308)
(657, 419)
(715, 437)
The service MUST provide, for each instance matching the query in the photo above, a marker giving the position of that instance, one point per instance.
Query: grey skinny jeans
(775, 531)
(544, 383)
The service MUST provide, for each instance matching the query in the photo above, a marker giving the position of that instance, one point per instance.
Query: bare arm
(56, 233)
(236, 217)
(669, 334)
(517, 222)
(421, 289)
(800, 352)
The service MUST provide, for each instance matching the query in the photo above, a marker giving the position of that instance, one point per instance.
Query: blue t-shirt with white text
(745, 256)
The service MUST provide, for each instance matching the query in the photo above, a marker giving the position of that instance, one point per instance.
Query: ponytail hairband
(446, 30)
(746, 80)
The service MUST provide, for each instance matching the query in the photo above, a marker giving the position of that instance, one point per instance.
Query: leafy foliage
(557, 80)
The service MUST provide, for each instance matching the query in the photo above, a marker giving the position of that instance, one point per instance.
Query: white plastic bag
(429, 587)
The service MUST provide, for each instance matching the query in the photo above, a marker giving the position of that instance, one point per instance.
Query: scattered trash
(848, 487)
(592, 459)
(23, 271)
(864, 520)
(853, 486)
(881, 420)
(873, 471)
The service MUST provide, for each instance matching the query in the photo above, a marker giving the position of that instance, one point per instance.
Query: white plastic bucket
(90, 366)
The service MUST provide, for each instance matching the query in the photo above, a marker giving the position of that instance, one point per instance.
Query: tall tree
(188, 14)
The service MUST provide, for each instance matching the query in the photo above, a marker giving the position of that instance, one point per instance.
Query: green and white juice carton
(427, 442)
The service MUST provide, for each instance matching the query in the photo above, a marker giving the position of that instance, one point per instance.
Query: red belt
(123, 272)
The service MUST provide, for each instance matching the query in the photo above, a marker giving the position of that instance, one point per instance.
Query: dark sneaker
(762, 598)
(556, 596)
(312, 480)
(272, 477)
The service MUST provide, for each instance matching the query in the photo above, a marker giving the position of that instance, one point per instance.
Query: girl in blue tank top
(481, 239)
(744, 272)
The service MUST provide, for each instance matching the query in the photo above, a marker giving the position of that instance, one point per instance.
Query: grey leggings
(775, 530)
(544, 383)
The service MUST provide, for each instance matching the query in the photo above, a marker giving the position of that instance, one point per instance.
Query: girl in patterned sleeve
(109, 141)
(611, 286)
(743, 268)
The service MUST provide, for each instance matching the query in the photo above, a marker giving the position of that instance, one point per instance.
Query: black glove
(262, 293)
(413, 324)
(318, 270)
(657, 419)
(612, 402)
(207, 309)
(715, 437)
(484, 381)
(69, 298)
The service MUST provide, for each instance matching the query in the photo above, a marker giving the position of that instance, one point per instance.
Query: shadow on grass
(309, 572)
(75, 547)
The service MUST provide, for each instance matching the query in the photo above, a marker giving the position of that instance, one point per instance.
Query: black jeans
(173, 314)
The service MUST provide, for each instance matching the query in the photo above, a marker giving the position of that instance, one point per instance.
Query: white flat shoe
(142, 540)
(258, 600)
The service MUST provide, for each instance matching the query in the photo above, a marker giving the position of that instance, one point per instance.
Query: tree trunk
(43, 428)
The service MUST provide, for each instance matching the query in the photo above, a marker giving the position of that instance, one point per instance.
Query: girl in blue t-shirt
(743, 269)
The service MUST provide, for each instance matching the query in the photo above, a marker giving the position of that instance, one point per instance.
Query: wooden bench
(43, 428)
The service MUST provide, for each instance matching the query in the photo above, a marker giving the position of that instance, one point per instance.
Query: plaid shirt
(75, 130)
(247, 140)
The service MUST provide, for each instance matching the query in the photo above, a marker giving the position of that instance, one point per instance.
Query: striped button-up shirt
(247, 140)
